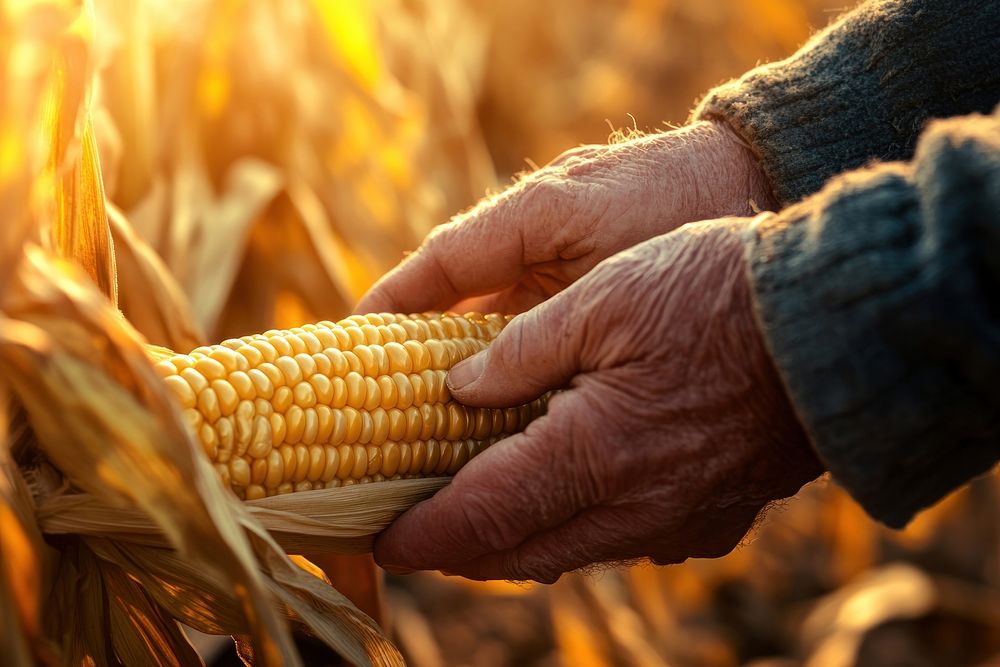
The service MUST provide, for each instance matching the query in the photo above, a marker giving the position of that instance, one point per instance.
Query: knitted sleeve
(863, 89)
(880, 301)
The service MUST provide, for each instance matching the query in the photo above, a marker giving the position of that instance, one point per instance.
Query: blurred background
(279, 155)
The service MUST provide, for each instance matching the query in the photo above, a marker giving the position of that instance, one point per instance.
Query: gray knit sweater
(880, 294)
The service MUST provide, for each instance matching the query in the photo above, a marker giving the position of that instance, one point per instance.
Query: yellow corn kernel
(335, 404)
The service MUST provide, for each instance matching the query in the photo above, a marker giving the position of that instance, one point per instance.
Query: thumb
(535, 353)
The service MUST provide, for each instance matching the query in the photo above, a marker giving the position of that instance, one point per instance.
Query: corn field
(175, 173)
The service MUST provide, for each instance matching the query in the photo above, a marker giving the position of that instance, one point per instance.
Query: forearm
(878, 300)
(863, 89)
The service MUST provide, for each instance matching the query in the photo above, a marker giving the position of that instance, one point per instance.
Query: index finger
(520, 486)
(479, 252)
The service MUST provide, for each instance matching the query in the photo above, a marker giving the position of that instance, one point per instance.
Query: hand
(672, 434)
(529, 242)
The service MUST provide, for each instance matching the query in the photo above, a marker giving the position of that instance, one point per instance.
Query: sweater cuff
(877, 300)
(862, 89)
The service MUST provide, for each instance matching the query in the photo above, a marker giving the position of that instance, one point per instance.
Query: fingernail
(397, 570)
(467, 372)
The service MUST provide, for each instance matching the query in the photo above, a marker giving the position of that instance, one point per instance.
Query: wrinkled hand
(672, 434)
(532, 240)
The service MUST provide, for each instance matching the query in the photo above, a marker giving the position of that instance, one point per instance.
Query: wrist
(744, 185)
(792, 459)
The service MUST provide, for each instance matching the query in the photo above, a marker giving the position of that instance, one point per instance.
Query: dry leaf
(343, 520)
(23, 559)
(149, 296)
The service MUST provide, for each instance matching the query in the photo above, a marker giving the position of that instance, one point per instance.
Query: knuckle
(525, 349)
(547, 191)
(516, 567)
(438, 236)
(510, 353)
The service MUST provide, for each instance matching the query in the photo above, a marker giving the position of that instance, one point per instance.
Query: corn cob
(335, 404)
